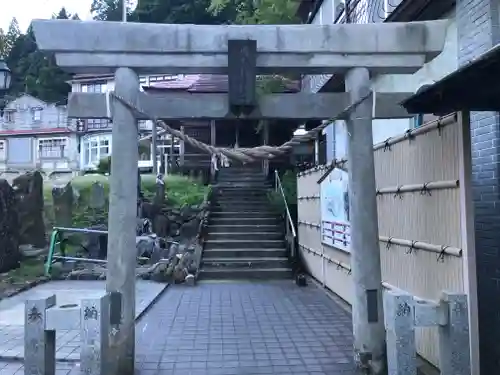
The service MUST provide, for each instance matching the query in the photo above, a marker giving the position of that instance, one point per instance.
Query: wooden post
(182, 149)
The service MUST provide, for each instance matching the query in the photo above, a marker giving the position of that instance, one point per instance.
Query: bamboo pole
(330, 260)
(440, 249)
(436, 185)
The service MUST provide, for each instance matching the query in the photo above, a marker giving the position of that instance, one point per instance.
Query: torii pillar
(367, 304)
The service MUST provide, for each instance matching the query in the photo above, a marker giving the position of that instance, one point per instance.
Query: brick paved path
(242, 329)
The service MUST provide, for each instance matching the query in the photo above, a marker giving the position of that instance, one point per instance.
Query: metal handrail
(278, 185)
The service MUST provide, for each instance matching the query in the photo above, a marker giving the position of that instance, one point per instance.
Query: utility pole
(367, 306)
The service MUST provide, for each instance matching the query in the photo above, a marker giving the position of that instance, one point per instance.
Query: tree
(3, 45)
(258, 12)
(36, 72)
(13, 32)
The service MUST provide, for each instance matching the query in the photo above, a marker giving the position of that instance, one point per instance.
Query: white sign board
(335, 225)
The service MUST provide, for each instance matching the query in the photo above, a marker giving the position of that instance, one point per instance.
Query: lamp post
(5, 81)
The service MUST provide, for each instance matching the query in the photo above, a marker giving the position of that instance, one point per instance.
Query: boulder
(95, 244)
(9, 229)
(28, 189)
(63, 199)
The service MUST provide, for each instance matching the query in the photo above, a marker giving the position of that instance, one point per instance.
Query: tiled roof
(202, 83)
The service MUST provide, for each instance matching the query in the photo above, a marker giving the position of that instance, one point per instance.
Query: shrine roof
(204, 83)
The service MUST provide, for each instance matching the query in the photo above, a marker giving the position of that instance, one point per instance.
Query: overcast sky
(26, 10)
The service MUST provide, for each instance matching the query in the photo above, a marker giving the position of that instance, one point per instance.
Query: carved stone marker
(94, 333)
(9, 229)
(63, 197)
(39, 344)
(28, 189)
(97, 198)
(92, 318)
(450, 316)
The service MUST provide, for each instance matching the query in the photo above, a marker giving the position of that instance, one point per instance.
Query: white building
(95, 141)
(37, 135)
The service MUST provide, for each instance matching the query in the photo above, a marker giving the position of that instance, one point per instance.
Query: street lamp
(5, 81)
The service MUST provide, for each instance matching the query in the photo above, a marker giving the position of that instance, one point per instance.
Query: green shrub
(104, 166)
(289, 184)
(180, 191)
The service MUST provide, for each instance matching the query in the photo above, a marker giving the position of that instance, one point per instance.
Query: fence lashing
(388, 244)
(387, 145)
(425, 190)
(441, 255)
(409, 135)
(398, 193)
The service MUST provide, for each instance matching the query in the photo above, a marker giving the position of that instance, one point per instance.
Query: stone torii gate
(357, 50)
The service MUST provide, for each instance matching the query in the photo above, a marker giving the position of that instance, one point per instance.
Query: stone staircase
(245, 237)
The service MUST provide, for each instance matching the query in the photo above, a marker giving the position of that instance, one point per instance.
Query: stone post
(367, 307)
(265, 142)
(39, 344)
(122, 221)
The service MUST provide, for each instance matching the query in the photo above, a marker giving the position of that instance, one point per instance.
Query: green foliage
(180, 191)
(289, 184)
(34, 72)
(104, 166)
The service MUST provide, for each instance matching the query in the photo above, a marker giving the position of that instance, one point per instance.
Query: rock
(190, 228)
(161, 225)
(29, 251)
(9, 229)
(145, 245)
(63, 197)
(190, 280)
(28, 189)
(95, 244)
(144, 226)
(97, 197)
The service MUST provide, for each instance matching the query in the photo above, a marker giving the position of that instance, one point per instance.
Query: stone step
(245, 274)
(244, 253)
(245, 263)
(243, 244)
(232, 207)
(244, 228)
(245, 221)
(238, 207)
(250, 236)
(237, 193)
(244, 199)
(242, 214)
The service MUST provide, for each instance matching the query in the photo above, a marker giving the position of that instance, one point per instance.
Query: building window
(36, 114)
(94, 87)
(95, 148)
(3, 149)
(418, 121)
(98, 123)
(52, 148)
(9, 116)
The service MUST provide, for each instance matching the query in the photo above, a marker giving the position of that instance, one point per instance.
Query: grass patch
(29, 270)
(180, 191)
